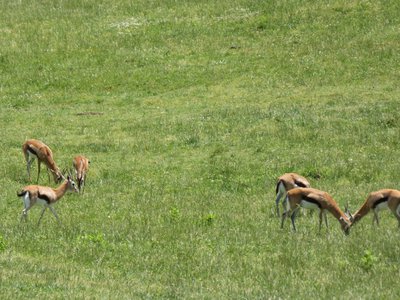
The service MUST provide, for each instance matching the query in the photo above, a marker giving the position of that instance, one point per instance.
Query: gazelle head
(57, 175)
(348, 213)
(346, 224)
(71, 185)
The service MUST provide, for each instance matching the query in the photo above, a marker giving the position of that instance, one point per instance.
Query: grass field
(189, 111)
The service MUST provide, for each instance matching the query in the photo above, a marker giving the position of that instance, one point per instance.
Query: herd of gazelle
(296, 193)
(295, 190)
(47, 196)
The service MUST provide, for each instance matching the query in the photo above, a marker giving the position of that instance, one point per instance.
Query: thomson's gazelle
(287, 182)
(379, 200)
(81, 166)
(313, 199)
(45, 196)
(35, 149)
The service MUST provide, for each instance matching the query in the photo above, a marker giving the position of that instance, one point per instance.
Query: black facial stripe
(311, 200)
(384, 199)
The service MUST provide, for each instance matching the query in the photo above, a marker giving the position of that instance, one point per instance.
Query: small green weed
(368, 260)
(95, 239)
(174, 214)
(3, 244)
(209, 219)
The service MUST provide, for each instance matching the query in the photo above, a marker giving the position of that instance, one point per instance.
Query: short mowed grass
(189, 111)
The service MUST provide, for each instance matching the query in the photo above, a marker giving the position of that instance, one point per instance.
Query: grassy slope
(202, 105)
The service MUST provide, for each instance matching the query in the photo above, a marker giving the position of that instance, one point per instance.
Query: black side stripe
(31, 150)
(384, 199)
(44, 197)
(311, 200)
(300, 184)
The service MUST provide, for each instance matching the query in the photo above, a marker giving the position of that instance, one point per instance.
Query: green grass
(189, 111)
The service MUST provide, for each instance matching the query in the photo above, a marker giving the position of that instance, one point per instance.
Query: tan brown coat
(314, 199)
(379, 200)
(285, 183)
(81, 166)
(35, 149)
(46, 196)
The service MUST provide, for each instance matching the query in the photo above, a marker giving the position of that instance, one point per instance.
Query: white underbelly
(308, 205)
(381, 206)
(41, 202)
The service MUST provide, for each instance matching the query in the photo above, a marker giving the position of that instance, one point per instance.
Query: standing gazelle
(379, 200)
(45, 196)
(35, 149)
(81, 166)
(287, 182)
(313, 199)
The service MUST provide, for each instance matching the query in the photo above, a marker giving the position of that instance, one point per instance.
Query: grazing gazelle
(287, 182)
(313, 199)
(379, 200)
(35, 149)
(81, 166)
(45, 196)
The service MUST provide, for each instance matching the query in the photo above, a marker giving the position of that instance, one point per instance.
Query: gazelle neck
(337, 212)
(52, 166)
(61, 190)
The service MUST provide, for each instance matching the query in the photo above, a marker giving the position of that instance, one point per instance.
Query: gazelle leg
(293, 217)
(24, 215)
(55, 214)
(27, 206)
(28, 169)
(320, 219)
(48, 174)
(326, 220)
(41, 214)
(397, 214)
(38, 171)
(29, 161)
(286, 212)
(278, 198)
(284, 215)
(376, 218)
(83, 188)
